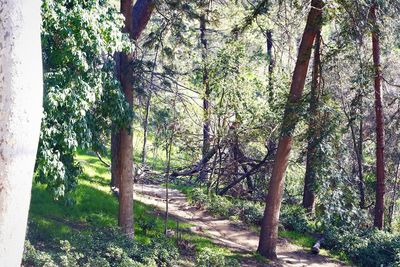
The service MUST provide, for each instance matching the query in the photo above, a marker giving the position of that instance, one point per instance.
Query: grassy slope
(96, 206)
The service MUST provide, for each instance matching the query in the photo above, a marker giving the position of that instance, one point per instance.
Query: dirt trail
(224, 232)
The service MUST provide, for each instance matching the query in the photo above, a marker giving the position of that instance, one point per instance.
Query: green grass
(299, 239)
(95, 206)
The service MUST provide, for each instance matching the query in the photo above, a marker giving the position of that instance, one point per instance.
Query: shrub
(211, 258)
(199, 197)
(371, 248)
(295, 218)
(219, 205)
(251, 213)
(33, 257)
(103, 248)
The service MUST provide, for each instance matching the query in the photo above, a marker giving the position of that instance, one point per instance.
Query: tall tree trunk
(394, 195)
(314, 131)
(271, 65)
(206, 85)
(136, 19)
(125, 148)
(21, 92)
(145, 125)
(380, 137)
(269, 226)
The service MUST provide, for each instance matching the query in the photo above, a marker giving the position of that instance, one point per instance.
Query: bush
(199, 197)
(103, 248)
(211, 258)
(371, 248)
(251, 213)
(295, 218)
(219, 205)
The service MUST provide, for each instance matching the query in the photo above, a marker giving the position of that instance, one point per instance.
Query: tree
(269, 226)
(379, 120)
(136, 18)
(313, 131)
(206, 84)
(21, 90)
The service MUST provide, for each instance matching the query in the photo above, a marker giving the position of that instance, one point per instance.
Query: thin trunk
(271, 65)
(269, 227)
(206, 85)
(314, 131)
(21, 93)
(380, 138)
(394, 195)
(360, 159)
(145, 125)
(168, 149)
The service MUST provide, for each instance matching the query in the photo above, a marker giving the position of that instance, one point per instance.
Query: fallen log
(198, 167)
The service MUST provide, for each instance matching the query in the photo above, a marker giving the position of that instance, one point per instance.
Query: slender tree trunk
(168, 149)
(271, 66)
(206, 85)
(21, 92)
(269, 226)
(145, 125)
(380, 136)
(314, 131)
(360, 160)
(394, 195)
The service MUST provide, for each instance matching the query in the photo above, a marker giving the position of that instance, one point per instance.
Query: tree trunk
(269, 227)
(206, 85)
(125, 148)
(380, 138)
(136, 19)
(21, 92)
(314, 132)
(271, 65)
(145, 125)
(115, 175)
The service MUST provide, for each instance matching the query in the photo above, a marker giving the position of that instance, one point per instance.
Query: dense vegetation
(283, 115)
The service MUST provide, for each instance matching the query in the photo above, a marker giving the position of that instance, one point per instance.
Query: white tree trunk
(21, 89)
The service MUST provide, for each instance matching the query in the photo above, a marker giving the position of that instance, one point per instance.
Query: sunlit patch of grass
(299, 239)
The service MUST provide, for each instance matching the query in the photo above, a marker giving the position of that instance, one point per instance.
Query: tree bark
(206, 85)
(269, 226)
(380, 137)
(271, 65)
(21, 92)
(136, 19)
(115, 170)
(145, 125)
(314, 131)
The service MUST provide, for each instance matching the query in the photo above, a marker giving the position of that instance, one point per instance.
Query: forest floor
(232, 235)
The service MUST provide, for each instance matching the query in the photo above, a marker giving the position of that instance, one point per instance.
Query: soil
(233, 235)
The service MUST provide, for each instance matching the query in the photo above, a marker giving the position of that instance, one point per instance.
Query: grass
(95, 206)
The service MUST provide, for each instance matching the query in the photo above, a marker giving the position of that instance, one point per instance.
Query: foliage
(295, 218)
(365, 248)
(104, 246)
(82, 100)
(210, 258)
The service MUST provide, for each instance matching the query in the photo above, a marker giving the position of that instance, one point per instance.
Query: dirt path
(224, 232)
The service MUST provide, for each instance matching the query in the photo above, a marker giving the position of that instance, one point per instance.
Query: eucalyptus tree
(21, 90)
(269, 226)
